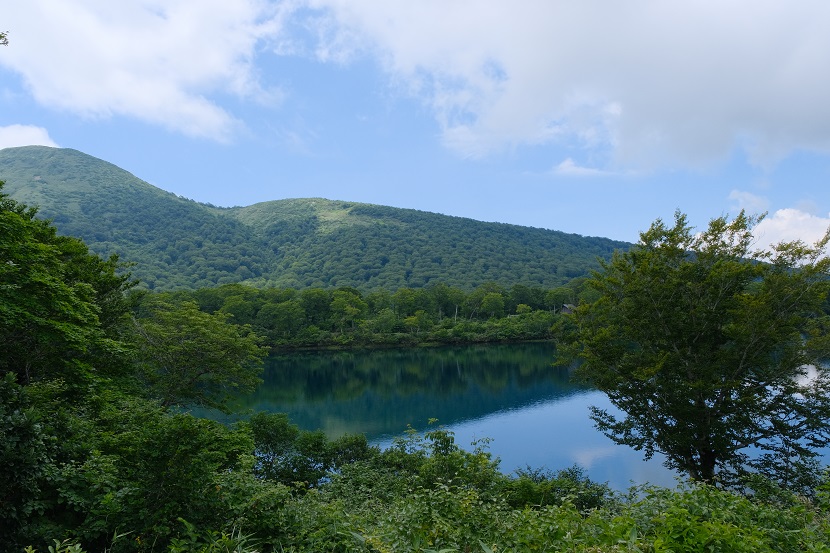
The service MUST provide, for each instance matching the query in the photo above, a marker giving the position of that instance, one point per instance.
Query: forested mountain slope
(180, 243)
(175, 242)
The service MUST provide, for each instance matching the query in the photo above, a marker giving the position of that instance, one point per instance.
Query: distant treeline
(319, 317)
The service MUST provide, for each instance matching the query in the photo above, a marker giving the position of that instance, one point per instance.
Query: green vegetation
(177, 243)
(61, 308)
(191, 358)
(97, 455)
(707, 345)
(80, 429)
(435, 314)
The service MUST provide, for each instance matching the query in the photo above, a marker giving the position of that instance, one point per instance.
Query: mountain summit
(179, 243)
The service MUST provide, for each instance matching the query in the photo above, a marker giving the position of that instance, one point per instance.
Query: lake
(532, 412)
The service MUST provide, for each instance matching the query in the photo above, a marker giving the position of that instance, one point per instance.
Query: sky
(590, 117)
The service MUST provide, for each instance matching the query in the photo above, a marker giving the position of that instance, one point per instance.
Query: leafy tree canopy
(710, 348)
(190, 357)
(61, 308)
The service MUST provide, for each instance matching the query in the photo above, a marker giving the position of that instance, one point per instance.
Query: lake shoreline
(391, 346)
(531, 412)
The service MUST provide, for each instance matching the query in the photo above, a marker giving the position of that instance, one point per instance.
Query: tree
(559, 296)
(404, 301)
(4, 39)
(346, 308)
(289, 455)
(378, 300)
(61, 308)
(23, 456)
(521, 294)
(419, 321)
(167, 466)
(710, 348)
(447, 300)
(474, 302)
(281, 320)
(190, 357)
(316, 303)
(493, 304)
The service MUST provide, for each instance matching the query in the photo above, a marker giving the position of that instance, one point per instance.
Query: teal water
(532, 412)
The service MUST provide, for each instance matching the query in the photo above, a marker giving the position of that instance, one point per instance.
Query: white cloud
(570, 169)
(587, 457)
(24, 135)
(154, 60)
(649, 82)
(787, 225)
(749, 202)
(641, 84)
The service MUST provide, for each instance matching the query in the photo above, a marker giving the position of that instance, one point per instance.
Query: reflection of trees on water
(381, 391)
(345, 375)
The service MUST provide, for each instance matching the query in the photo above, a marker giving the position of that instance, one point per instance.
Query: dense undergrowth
(301, 492)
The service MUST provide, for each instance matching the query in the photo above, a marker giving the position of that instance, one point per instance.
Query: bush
(540, 488)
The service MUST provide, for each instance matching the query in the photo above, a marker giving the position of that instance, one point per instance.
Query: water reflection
(557, 434)
(532, 411)
(379, 393)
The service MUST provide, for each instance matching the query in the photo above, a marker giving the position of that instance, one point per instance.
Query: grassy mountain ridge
(180, 243)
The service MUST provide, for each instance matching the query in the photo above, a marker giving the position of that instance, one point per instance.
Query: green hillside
(179, 243)
(175, 242)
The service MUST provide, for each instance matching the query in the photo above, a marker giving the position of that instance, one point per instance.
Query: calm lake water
(532, 413)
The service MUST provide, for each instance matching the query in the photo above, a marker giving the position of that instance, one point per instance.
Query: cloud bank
(652, 83)
(641, 84)
(789, 225)
(24, 135)
(153, 60)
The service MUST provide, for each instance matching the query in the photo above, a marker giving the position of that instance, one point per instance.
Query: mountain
(175, 242)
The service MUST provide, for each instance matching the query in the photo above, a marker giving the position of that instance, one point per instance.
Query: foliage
(58, 308)
(23, 457)
(434, 459)
(90, 464)
(705, 346)
(317, 317)
(300, 458)
(169, 465)
(691, 518)
(65, 546)
(137, 470)
(181, 244)
(212, 541)
(539, 488)
(189, 357)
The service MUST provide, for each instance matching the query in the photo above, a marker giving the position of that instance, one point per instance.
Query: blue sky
(589, 117)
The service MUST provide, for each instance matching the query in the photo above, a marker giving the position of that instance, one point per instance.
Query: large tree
(62, 308)
(712, 351)
(190, 357)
